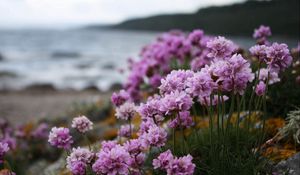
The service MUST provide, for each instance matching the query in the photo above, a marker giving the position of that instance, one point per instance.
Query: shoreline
(34, 104)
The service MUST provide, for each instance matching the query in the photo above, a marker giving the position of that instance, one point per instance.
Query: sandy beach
(25, 105)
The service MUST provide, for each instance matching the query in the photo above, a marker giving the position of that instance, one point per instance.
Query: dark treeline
(236, 19)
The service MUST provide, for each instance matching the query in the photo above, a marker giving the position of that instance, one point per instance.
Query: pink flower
(260, 88)
(119, 98)
(184, 120)
(220, 48)
(176, 101)
(200, 85)
(175, 81)
(108, 145)
(163, 161)
(126, 111)
(262, 33)
(155, 136)
(82, 124)
(279, 57)
(3, 149)
(60, 137)
(78, 160)
(125, 130)
(113, 162)
(182, 165)
(173, 165)
(273, 76)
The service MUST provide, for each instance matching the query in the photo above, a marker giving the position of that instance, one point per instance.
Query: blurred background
(57, 52)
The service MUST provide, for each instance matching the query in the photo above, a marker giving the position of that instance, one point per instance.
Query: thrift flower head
(79, 158)
(113, 162)
(126, 111)
(78, 168)
(260, 51)
(150, 109)
(196, 36)
(145, 125)
(155, 80)
(82, 124)
(221, 48)
(176, 101)
(41, 131)
(260, 88)
(200, 85)
(156, 136)
(182, 165)
(3, 149)
(232, 74)
(173, 165)
(262, 33)
(273, 76)
(79, 154)
(60, 137)
(279, 57)
(184, 119)
(133, 146)
(163, 161)
(137, 161)
(119, 98)
(125, 130)
(175, 81)
(108, 145)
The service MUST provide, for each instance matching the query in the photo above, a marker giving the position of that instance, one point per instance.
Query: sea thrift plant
(82, 124)
(181, 83)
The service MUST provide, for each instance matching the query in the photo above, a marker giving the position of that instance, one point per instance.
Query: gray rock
(290, 166)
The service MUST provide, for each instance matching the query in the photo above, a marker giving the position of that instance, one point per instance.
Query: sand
(26, 105)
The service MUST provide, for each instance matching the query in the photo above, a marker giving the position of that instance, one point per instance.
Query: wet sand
(22, 106)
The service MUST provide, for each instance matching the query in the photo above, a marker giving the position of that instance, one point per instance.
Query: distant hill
(236, 19)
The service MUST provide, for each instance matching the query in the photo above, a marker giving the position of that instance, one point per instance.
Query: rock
(57, 167)
(109, 66)
(41, 87)
(7, 74)
(65, 54)
(37, 166)
(290, 166)
(116, 87)
(92, 88)
(1, 57)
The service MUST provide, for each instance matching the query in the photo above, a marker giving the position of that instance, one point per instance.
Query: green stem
(238, 120)
(230, 111)
(251, 98)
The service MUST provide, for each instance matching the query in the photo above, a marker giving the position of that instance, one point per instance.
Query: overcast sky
(68, 13)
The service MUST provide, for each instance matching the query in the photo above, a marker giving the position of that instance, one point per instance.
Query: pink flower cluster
(277, 56)
(173, 49)
(173, 165)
